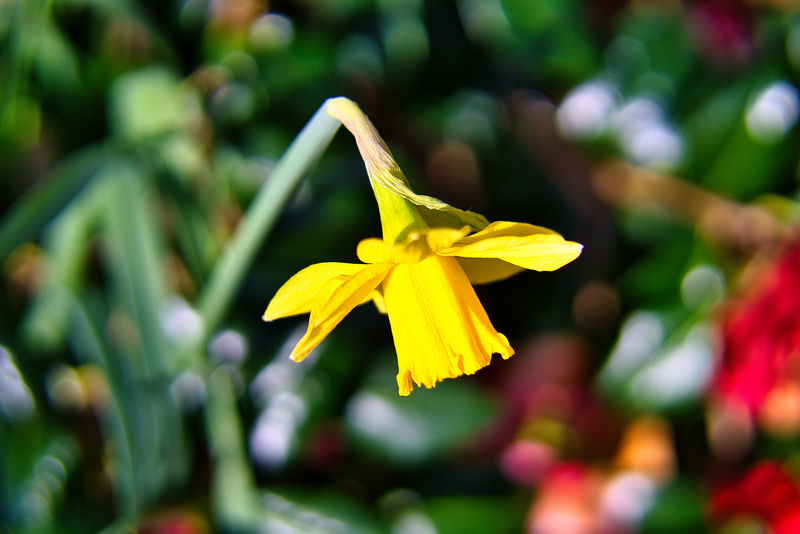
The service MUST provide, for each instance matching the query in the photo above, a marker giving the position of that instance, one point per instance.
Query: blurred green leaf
(660, 362)
(57, 63)
(67, 243)
(417, 428)
(556, 38)
(665, 40)
(679, 508)
(150, 102)
(21, 122)
(166, 120)
(710, 124)
(536, 21)
(477, 514)
(31, 211)
(653, 278)
(322, 511)
(293, 74)
(746, 167)
(233, 490)
(140, 360)
(49, 466)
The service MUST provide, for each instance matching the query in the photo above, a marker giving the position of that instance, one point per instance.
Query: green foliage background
(134, 136)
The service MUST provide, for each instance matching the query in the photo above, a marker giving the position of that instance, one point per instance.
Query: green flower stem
(399, 216)
(227, 275)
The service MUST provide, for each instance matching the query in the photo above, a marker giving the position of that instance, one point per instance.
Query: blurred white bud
(773, 112)
(228, 347)
(181, 324)
(16, 399)
(587, 109)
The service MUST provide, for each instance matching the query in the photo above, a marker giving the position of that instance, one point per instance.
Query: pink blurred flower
(568, 501)
(527, 461)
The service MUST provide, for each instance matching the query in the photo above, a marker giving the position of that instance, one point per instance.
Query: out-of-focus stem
(234, 490)
(744, 227)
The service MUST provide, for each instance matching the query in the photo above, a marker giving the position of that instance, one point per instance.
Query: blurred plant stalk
(738, 226)
(128, 343)
(234, 492)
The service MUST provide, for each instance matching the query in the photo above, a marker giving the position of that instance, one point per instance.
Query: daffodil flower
(420, 274)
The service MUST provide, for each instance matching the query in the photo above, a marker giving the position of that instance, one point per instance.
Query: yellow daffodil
(420, 274)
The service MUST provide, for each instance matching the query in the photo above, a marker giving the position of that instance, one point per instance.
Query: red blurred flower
(722, 30)
(174, 521)
(761, 337)
(765, 492)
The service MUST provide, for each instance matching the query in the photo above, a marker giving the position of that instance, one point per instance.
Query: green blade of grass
(143, 358)
(33, 209)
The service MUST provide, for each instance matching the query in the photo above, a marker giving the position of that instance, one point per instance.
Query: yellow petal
(297, 295)
(334, 300)
(524, 245)
(439, 238)
(415, 248)
(373, 250)
(487, 270)
(377, 298)
(439, 326)
(504, 229)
